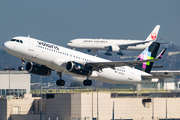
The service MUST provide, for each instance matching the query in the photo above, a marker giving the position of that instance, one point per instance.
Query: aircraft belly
(111, 76)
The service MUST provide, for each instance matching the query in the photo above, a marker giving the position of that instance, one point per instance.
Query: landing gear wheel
(21, 68)
(108, 53)
(87, 82)
(120, 53)
(60, 82)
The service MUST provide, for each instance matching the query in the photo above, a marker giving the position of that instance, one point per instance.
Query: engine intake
(78, 68)
(38, 69)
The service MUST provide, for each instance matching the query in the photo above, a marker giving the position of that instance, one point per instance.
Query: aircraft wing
(101, 65)
(137, 43)
(125, 46)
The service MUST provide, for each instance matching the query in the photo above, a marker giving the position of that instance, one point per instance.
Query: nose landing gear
(21, 68)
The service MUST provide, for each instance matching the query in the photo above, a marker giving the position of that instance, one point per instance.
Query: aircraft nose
(6, 45)
(69, 44)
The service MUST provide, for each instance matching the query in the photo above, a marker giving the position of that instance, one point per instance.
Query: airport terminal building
(91, 106)
(14, 83)
(17, 103)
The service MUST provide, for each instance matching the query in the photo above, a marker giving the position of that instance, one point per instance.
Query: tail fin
(149, 53)
(153, 35)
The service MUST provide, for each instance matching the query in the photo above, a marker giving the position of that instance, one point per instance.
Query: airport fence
(91, 90)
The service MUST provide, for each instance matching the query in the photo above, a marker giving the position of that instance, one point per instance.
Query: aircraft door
(131, 73)
(31, 44)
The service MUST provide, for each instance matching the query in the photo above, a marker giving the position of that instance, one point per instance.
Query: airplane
(112, 45)
(43, 57)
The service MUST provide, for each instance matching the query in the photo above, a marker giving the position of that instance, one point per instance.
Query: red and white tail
(153, 35)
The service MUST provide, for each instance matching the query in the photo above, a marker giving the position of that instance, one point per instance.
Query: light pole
(97, 106)
(166, 99)
(41, 101)
(9, 69)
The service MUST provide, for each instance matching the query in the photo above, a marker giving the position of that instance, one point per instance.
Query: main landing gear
(120, 53)
(60, 82)
(108, 53)
(87, 82)
(21, 68)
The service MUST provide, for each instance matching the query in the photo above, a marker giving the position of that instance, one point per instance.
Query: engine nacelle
(92, 50)
(38, 69)
(78, 68)
(114, 48)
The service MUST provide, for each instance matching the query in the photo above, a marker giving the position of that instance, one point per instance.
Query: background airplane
(111, 45)
(45, 57)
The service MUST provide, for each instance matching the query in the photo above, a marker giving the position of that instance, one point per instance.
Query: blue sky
(58, 21)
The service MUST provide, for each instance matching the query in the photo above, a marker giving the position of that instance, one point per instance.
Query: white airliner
(111, 45)
(44, 57)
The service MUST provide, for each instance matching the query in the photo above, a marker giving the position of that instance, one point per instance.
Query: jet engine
(78, 68)
(92, 50)
(114, 48)
(38, 69)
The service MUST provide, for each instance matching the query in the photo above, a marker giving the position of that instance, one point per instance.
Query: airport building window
(16, 92)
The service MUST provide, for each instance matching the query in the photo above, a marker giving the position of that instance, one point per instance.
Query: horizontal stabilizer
(167, 43)
(161, 54)
(156, 76)
(166, 72)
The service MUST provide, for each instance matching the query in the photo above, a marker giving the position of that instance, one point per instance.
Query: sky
(59, 21)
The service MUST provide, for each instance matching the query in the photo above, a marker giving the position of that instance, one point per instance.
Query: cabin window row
(63, 53)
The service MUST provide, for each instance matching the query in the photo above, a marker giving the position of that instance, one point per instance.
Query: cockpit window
(19, 41)
(13, 39)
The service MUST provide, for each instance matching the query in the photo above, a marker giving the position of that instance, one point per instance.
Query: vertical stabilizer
(153, 35)
(149, 53)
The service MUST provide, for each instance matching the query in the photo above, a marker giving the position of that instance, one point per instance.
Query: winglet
(161, 54)
(153, 35)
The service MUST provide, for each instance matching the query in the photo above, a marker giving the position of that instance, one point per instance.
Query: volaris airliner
(112, 45)
(43, 57)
